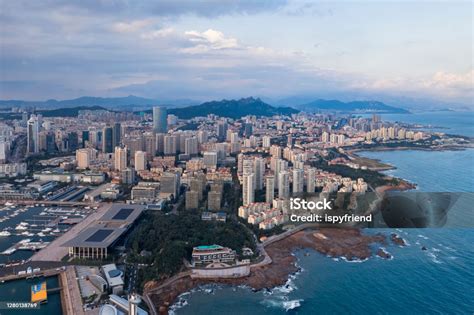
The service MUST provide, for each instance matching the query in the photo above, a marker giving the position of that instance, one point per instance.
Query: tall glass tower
(160, 123)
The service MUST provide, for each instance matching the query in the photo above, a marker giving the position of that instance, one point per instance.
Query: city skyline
(277, 50)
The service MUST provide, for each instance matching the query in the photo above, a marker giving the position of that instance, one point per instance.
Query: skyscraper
(140, 161)
(120, 158)
(298, 181)
(259, 171)
(270, 188)
(160, 122)
(117, 135)
(310, 180)
(221, 130)
(284, 184)
(33, 135)
(191, 146)
(248, 190)
(170, 143)
(107, 140)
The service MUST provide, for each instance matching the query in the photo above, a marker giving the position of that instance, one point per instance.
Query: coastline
(348, 244)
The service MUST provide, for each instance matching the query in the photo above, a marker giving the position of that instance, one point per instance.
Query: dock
(25, 245)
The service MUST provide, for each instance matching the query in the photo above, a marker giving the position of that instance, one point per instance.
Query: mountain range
(187, 108)
(349, 107)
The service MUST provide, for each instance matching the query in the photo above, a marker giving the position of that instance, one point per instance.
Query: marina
(25, 229)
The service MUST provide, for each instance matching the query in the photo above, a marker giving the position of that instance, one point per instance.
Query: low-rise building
(213, 254)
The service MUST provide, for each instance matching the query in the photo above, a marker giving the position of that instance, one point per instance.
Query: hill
(123, 103)
(232, 109)
(350, 107)
(68, 112)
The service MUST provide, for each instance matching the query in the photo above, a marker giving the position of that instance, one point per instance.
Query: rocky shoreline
(349, 244)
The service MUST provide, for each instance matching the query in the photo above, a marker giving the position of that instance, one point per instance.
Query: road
(72, 296)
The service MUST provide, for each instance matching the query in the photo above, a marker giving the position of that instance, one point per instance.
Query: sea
(20, 290)
(436, 280)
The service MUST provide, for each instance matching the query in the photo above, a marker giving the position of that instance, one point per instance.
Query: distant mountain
(124, 103)
(68, 112)
(232, 109)
(349, 107)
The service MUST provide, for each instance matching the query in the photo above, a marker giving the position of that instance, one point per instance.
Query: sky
(394, 51)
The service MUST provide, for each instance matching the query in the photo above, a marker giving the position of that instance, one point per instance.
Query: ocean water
(20, 291)
(437, 280)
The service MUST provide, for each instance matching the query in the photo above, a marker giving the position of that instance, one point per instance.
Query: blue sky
(403, 51)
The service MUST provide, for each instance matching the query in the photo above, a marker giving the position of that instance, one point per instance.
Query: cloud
(208, 40)
(463, 81)
(158, 33)
(130, 27)
(63, 49)
(161, 8)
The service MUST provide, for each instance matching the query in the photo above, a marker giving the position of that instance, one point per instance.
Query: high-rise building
(150, 144)
(84, 157)
(248, 129)
(127, 176)
(170, 183)
(72, 141)
(298, 181)
(259, 171)
(191, 146)
(310, 180)
(33, 135)
(214, 200)
(275, 151)
(140, 161)
(270, 188)
(283, 184)
(248, 191)
(160, 143)
(170, 145)
(210, 159)
(107, 140)
(160, 123)
(266, 141)
(85, 138)
(117, 135)
(121, 158)
(221, 130)
(202, 136)
(192, 200)
(325, 137)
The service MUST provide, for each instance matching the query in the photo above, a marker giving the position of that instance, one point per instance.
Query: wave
(434, 258)
(354, 260)
(283, 304)
(291, 305)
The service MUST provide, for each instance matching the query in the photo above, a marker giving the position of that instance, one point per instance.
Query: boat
(56, 231)
(46, 230)
(20, 227)
(41, 234)
(5, 233)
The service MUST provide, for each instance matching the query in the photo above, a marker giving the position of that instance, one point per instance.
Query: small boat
(41, 234)
(20, 227)
(5, 233)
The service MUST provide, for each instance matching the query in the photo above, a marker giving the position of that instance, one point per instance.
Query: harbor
(28, 228)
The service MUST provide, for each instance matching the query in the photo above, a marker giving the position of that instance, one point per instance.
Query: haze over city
(277, 50)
